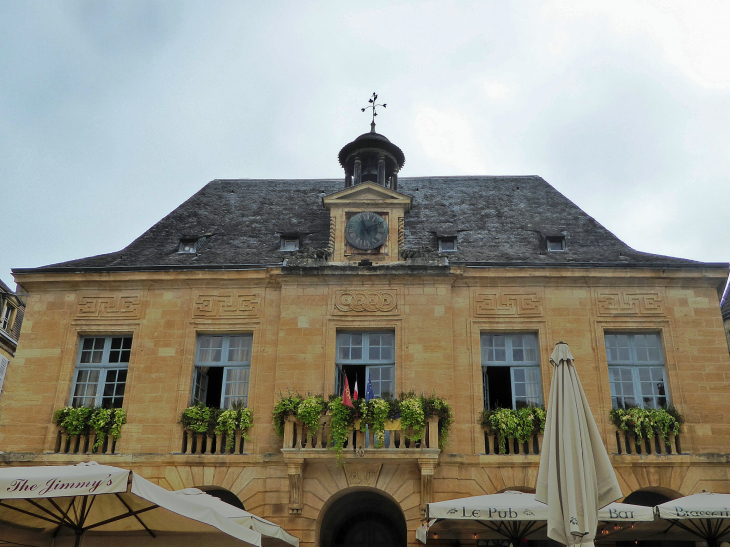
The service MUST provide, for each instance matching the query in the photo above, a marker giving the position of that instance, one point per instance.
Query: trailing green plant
(374, 414)
(310, 410)
(435, 406)
(80, 420)
(411, 415)
(200, 418)
(646, 422)
(228, 421)
(74, 420)
(285, 406)
(107, 422)
(343, 417)
(520, 424)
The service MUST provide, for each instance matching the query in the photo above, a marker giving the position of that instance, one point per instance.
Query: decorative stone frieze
(620, 302)
(362, 475)
(226, 304)
(507, 303)
(366, 301)
(109, 306)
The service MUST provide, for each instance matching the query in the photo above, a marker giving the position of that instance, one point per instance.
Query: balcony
(83, 444)
(621, 443)
(512, 446)
(201, 444)
(300, 444)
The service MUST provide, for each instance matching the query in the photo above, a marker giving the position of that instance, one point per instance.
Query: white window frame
(370, 363)
(636, 364)
(528, 366)
(103, 367)
(230, 368)
(6, 322)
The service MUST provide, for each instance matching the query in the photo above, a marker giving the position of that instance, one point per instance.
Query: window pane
(239, 349)
(210, 349)
(236, 387)
(526, 389)
(617, 348)
(622, 387)
(92, 350)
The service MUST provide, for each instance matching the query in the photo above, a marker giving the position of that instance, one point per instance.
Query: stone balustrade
(200, 443)
(512, 446)
(296, 435)
(83, 444)
(622, 443)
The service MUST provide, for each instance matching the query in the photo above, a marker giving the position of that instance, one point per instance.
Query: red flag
(346, 400)
(354, 393)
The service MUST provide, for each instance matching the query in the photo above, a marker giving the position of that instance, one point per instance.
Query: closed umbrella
(511, 515)
(106, 506)
(575, 478)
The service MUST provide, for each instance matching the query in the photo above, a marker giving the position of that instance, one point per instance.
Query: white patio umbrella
(704, 515)
(241, 516)
(575, 478)
(511, 515)
(90, 504)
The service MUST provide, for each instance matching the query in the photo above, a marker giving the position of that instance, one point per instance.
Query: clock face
(366, 231)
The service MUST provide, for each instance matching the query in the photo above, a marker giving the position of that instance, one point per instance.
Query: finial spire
(373, 105)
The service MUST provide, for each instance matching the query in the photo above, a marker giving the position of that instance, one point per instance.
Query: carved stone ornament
(507, 303)
(226, 304)
(621, 303)
(109, 306)
(362, 475)
(366, 301)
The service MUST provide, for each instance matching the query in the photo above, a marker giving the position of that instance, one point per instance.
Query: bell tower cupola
(372, 157)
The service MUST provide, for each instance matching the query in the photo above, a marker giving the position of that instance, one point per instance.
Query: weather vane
(373, 105)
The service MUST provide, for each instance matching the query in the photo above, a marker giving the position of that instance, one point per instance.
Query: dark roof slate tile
(497, 219)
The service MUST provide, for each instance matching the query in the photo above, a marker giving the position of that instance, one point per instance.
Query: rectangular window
(555, 243)
(289, 244)
(447, 244)
(510, 370)
(5, 323)
(222, 370)
(101, 371)
(636, 370)
(363, 357)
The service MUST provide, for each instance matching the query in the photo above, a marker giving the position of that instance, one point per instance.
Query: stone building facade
(461, 265)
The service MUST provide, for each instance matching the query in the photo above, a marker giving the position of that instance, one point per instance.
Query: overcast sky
(114, 113)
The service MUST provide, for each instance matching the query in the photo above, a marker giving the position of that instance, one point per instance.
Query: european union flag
(369, 391)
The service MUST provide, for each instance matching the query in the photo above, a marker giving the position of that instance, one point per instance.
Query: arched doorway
(222, 494)
(651, 498)
(363, 518)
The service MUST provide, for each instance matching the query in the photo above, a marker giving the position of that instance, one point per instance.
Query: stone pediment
(367, 194)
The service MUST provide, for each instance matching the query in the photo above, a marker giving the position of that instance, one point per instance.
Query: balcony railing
(200, 443)
(624, 443)
(83, 444)
(297, 435)
(512, 446)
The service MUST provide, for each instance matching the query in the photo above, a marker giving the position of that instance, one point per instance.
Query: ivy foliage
(211, 421)
(105, 422)
(413, 411)
(647, 422)
(520, 424)
(286, 406)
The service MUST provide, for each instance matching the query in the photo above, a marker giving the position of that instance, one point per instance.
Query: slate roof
(498, 220)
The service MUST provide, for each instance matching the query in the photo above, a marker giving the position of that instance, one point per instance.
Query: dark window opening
(499, 387)
(188, 246)
(556, 243)
(447, 244)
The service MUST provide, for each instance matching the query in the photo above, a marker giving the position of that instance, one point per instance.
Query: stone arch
(222, 494)
(525, 489)
(361, 509)
(651, 496)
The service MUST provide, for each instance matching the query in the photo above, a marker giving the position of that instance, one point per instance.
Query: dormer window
(556, 243)
(289, 244)
(188, 246)
(447, 244)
